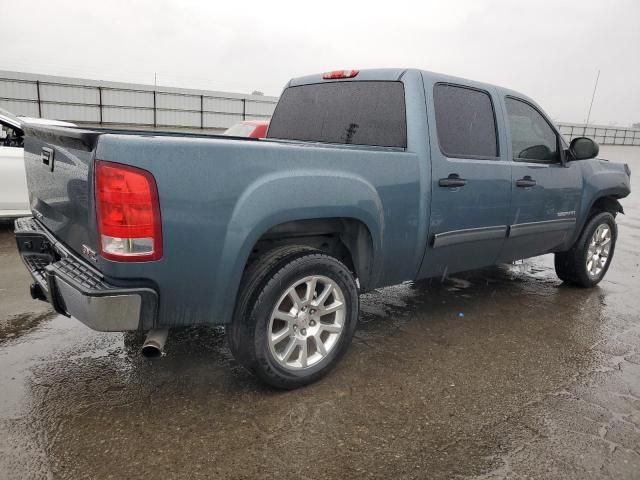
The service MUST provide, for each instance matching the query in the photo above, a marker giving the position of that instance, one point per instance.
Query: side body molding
(455, 237)
(520, 229)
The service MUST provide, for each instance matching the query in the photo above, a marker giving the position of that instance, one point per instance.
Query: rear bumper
(75, 288)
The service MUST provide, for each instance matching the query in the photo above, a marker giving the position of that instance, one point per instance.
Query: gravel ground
(492, 374)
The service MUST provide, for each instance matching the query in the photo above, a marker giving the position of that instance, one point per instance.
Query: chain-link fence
(100, 103)
(90, 102)
(601, 134)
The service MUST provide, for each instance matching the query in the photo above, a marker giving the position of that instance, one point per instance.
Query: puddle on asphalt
(502, 372)
(456, 357)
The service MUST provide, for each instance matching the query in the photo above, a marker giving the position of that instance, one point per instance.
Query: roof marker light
(340, 74)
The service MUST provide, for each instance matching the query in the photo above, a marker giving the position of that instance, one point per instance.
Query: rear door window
(465, 122)
(354, 112)
(532, 138)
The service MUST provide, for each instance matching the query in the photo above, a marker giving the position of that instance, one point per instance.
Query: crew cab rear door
(471, 178)
(546, 190)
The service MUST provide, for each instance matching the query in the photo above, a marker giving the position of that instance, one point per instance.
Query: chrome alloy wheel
(307, 322)
(598, 251)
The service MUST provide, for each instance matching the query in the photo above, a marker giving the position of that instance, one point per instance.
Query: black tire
(263, 284)
(571, 265)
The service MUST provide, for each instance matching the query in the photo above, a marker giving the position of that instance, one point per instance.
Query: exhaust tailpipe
(154, 343)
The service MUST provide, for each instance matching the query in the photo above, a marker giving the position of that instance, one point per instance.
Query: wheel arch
(346, 238)
(606, 201)
(298, 207)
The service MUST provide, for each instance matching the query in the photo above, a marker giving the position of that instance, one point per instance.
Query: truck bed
(218, 195)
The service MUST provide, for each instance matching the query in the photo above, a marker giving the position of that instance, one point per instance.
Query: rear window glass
(465, 122)
(358, 113)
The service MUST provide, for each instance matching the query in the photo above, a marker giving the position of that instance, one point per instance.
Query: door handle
(453, 180)
(525, 182)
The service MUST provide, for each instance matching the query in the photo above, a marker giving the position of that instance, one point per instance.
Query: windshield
(10, 116)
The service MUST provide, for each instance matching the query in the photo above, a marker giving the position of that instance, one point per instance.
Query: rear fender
(290, 196)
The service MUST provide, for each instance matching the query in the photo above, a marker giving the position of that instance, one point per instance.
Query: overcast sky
(549, 50)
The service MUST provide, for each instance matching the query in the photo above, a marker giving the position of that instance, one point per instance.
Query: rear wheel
(296, 313)
(588, 260)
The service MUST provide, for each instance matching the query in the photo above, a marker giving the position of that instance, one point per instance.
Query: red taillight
(128, 213)
(340, 74)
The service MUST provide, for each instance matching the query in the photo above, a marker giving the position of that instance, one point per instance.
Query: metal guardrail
(101, 105)
(154, 105)
(604, 135)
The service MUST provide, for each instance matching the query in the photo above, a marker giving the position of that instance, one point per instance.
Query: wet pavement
(498, 373)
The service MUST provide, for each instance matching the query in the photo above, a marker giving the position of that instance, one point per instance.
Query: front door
(471, 180)
(546, 191)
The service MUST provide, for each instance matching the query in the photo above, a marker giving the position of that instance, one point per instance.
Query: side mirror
(583, 148)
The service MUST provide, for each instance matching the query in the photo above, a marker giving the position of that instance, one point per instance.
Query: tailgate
(59, 166)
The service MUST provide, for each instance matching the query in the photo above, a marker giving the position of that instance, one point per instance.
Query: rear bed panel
(217, 196)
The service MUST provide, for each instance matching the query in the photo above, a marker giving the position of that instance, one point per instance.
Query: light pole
(586, 124)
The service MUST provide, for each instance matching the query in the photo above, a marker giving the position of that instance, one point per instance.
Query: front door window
(532, 138)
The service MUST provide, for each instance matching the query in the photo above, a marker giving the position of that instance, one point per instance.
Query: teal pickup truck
(366, 178)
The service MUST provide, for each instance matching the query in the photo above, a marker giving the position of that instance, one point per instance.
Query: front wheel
(588, 260)
(295, 317)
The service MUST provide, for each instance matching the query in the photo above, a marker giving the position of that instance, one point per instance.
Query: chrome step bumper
(75, 288)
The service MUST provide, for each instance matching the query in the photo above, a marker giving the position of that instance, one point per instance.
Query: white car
(14, 198)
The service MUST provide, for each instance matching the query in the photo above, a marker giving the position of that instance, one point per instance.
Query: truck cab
(502, 179)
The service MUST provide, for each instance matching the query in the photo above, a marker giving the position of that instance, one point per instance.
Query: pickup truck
(366, 179)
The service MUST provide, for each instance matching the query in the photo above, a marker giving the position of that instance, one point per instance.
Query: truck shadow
(524, 296)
